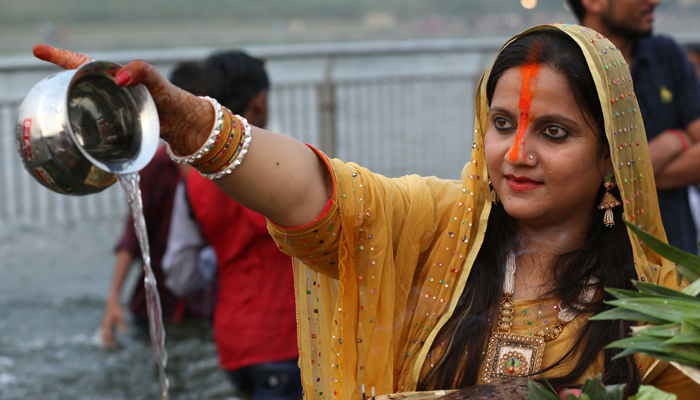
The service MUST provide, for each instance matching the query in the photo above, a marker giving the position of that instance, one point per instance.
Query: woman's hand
(185, 119)
(281, 177)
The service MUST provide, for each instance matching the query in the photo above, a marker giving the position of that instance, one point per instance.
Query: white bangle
(239, 158)
(209, 144)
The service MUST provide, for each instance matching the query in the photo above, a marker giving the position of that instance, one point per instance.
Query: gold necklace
(510, 355)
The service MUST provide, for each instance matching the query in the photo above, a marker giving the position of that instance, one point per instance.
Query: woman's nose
(520, 151)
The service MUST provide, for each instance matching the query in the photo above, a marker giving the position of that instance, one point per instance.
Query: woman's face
(542, 155)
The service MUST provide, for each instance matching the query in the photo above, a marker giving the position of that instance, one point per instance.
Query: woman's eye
(555, 132)
(502, 123)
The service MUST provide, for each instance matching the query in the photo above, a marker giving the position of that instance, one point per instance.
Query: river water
(53, 283)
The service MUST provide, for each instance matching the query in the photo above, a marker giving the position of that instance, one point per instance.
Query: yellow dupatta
(379, 274)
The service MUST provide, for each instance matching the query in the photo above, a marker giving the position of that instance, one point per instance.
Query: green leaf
(687, 274)
(693, 289)
(689, 322)
(627, 315)
(535, 391)
(660, 331)
(660, 356)
(594, 388)
(615, 392)
(667, 251)
(651, 393)
(656, 290)
(642, 343)
(683, 354)
(691, 337)
(624, 294)
(624, 353)
(675, 310)
(680, 352)
(668, 357)
(549, 385)
(687, 352)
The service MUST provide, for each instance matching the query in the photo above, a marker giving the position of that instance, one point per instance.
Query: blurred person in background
(669, 100)
(693, 52)
(159, 180)
(255, 319)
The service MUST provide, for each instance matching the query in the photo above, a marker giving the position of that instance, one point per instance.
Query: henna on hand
(63, 58)
(187, 125)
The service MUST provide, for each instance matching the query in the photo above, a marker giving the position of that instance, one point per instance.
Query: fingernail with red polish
(122, 78)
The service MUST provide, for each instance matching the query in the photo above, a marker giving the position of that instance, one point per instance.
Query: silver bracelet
(239, 158)
(209, 144)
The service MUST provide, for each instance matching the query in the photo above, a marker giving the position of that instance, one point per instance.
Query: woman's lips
(521, 184)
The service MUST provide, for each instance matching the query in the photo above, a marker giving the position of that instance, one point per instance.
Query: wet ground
(53, 282)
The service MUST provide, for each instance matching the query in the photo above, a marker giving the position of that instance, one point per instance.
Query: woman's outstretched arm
(281, 178)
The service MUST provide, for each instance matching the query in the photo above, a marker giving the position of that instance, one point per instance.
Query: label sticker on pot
(48, 177)
(26, 140)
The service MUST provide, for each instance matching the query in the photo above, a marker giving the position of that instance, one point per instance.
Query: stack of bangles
(224, 149)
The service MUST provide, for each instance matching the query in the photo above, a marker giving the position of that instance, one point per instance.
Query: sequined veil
(380, 273)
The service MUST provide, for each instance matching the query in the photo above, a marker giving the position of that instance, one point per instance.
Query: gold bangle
(242, 147)
(233, 140)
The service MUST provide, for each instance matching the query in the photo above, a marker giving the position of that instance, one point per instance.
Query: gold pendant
(510, 355)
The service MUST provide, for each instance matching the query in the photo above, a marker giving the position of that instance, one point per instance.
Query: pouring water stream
(130, 184)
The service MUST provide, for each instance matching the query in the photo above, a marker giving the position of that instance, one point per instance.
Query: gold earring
(609, 201)
(494, 195)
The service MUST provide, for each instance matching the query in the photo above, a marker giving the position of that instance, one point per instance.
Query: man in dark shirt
(669, 99)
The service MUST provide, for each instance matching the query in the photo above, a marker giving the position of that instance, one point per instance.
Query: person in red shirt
(258, 350)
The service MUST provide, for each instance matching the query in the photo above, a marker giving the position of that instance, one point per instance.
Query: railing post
(480, 57)
(10, 160)
(480, 61)
(326, 110)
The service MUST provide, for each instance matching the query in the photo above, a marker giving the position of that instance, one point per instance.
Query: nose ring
(531, 157)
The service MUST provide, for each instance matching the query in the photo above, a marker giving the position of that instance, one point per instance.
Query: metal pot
(77, 128)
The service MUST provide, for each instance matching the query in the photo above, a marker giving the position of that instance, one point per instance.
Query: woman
(415, 283)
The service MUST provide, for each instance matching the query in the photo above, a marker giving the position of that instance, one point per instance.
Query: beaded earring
(494, 195)
(609, 201)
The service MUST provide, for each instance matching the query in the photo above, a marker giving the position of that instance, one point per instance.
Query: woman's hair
(605, 256)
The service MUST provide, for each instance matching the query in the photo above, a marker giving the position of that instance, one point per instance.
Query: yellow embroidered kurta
(381, 271)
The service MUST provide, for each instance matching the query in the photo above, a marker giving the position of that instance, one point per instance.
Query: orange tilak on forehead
(529, 73)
